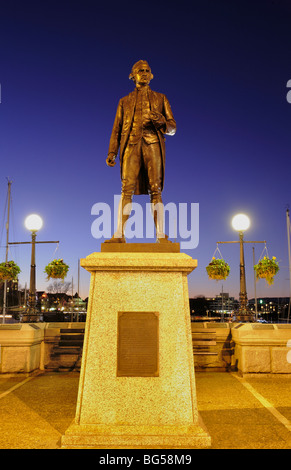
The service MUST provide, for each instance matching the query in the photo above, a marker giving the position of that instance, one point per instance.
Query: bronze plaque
(138, 344)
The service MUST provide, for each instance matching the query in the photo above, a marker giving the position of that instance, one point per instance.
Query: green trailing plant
(217, 269)
(267, 268)
(9, 271)
(56, 269)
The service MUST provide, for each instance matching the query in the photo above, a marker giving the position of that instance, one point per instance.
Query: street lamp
(240, 223)
(33, 223)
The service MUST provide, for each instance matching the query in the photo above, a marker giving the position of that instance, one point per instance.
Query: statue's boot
(124, 209)
(116, 239)
(158, 215)
(163, 239)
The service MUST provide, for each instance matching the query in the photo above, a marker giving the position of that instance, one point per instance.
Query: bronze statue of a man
(143, 118)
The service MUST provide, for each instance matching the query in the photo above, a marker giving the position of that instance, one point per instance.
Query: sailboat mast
(6, 254)
(78, 277)
(289, 256)
(255, 285)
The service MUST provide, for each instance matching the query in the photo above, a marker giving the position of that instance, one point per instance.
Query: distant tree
(59, 287)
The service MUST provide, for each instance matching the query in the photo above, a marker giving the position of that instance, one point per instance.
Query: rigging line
(13, 228)
(3, 222)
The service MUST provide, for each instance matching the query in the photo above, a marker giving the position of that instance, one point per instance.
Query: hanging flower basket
(267, 268)
(9, 271)
(217, 269)
(57, 269)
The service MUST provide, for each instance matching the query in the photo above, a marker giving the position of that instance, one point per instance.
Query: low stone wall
(249, 348)
(261, 348)
(20, 347)
(25, 347)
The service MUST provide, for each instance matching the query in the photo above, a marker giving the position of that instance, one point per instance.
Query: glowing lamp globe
(33, 222)
(240, 222)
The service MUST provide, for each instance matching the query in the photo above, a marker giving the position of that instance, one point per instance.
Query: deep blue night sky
(223, 65)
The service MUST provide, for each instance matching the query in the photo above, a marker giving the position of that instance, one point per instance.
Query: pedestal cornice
(141, 261)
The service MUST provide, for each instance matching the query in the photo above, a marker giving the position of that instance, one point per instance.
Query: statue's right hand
(110, 160)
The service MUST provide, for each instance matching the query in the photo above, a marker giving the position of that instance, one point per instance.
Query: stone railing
(262, 348)
(249, 348)
(25, 347)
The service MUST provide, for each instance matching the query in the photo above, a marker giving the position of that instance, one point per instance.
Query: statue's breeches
(142, 157)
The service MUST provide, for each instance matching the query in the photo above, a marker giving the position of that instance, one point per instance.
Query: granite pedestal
(137, 382)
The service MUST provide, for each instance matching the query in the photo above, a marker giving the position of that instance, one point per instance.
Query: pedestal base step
(90, 436)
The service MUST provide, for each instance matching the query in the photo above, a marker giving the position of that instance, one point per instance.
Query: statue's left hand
(157, 118)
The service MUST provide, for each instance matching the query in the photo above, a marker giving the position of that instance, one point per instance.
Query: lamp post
(241, 223)
(33, 223)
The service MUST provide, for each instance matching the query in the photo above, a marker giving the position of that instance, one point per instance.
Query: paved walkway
(252, 413)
